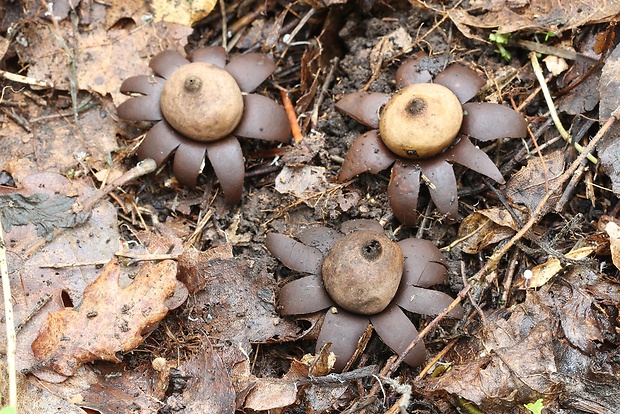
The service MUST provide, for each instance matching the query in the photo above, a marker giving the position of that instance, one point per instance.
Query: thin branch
(9, 322)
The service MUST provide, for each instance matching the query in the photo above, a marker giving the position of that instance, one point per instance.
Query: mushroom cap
(362, 272)
(202, 102)
(421, 120)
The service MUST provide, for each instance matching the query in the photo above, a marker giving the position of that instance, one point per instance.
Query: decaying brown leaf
(271, 393)
(41, 272)
(57, 145)
(531, 183)
(536, 15)
(103, 58)
(209, 388)
(573, 305)
(516, 365)
(486, 227)
(109, 319)
(609, 148)
(542, 348)
(110, 388)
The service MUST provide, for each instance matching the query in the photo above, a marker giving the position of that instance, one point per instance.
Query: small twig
(9, 322)
(509, 276)
(425, 218)
(291, 36)
(37, 307)
(80, 109)
(314, 118)
(25, 80)
(248, 18)
(147, 257)
(224, 25)
(144, 167)
(504, 202)
(555, 51)
(36, 98)
(292, 116)
(554, 114)
(436, 359)
(470, 297)
(542, 158)
(73, 264)
(356, 374)
(17, 119)
(195, 237)
(568, 191)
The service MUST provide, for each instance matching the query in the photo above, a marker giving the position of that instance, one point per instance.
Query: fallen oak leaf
(110, 319)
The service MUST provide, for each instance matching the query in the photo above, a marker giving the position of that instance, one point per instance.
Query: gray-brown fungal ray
(363, 106)
(482, 121)
(409, 72)
(423, 266)
(368, 153)
(225, 110)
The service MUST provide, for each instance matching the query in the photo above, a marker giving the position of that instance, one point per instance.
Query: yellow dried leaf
(543, 272)
(183, 12)
(613, 230)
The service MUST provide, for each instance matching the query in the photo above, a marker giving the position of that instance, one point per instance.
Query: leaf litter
(108, 320)
(226, 341)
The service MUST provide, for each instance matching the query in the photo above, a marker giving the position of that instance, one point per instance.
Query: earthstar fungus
(202, 106)
(423, 128)
(360, 276)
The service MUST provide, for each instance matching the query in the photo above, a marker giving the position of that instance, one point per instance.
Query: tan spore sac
(186, 102)
(421, 120)
(362, 272)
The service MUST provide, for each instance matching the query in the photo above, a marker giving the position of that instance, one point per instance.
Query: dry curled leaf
(109, 319)
(613, 230)
(485, 227)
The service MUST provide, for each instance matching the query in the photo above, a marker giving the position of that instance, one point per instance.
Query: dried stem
(25, 80)
(9, 323)
(552, 110)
